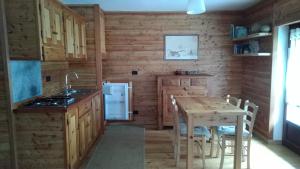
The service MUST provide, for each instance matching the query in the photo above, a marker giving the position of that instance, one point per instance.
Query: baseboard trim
(265, 139)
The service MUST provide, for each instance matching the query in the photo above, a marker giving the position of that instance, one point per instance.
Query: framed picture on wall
(181, 47)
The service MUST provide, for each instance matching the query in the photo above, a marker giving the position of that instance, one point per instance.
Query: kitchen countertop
(79, 98)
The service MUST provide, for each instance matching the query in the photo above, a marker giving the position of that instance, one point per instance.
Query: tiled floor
(159, 155)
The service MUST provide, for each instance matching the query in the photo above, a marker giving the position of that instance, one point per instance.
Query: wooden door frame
(5, 54)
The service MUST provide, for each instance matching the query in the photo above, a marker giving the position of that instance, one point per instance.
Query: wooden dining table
(210, 111)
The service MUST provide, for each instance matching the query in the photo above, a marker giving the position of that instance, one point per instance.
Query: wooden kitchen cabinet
(44, 30)
(88, 129)
(177, 85)
(52, 30)
(56, 137)
(90, 78)
(82, 144)
(85, 134)
(96, 116)
(75, 36)
(102, 33)
(72, 138)
(35, 29)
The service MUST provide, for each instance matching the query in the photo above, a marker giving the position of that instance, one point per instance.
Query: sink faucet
(67, 86)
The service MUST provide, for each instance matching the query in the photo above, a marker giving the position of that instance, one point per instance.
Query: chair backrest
(175, 114)
(233, 100)
(251, 110)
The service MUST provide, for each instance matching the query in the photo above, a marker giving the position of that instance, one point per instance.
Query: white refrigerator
(116, 104)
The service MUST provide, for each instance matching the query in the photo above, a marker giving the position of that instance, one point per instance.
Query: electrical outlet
(48, 78)
(134, 72)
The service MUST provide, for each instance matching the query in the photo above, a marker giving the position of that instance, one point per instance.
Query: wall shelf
(253, 36)
(253, 54)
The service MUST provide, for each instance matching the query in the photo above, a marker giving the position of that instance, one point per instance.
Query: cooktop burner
(54, 101)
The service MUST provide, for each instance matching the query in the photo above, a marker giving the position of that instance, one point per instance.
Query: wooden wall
(135, 41)
(5, 154)
(256, 83)
(57, 72)
(286, 11)
(257, 71)
(4, 125)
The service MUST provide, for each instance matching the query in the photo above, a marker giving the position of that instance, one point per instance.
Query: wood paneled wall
(4, 126)
(257, 71)
(286, 11)
(57, 72)
(256, 84)
(135, 41)
(5, 136)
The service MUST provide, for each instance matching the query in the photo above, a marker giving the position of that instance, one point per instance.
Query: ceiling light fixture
(196, 7)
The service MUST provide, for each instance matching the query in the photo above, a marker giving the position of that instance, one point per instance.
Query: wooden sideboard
(178, 85)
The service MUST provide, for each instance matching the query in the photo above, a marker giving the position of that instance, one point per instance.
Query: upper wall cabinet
(102, 32)
(35, 29)
(52, 30)
(44, 30)
(74, 26)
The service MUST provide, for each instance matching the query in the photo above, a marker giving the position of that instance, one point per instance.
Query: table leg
(238, 143)
(190, 143)
(212, 147)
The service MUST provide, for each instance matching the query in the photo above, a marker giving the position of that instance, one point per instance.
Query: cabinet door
(83, 40)
(82, 135)
(72, 143)
(77, 38)
(88, 129)
(69, 35)
(58, 35)
(46, 20)
(96, 119)
(102, 33)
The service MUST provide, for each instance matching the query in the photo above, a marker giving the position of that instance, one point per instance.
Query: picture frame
(181, 47)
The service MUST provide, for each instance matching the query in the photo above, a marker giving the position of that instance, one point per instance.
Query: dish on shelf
(254, 46)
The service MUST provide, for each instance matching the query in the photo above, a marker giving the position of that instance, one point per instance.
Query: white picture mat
(181, 47)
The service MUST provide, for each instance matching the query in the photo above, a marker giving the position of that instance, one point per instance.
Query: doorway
(291, 128)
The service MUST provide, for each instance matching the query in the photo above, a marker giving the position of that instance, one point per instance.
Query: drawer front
(196, 91)
(198, 82)
(185, 82)
(215, 120)
(85, 107)
(171, 82)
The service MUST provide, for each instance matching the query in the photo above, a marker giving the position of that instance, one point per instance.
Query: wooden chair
(227, 133)
(180, 132)
(236, 102)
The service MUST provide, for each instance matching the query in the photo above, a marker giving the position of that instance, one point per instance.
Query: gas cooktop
(54, 101)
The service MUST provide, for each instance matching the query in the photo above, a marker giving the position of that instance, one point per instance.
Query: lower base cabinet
(71, 135)
(85, 134)
(57, 137)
